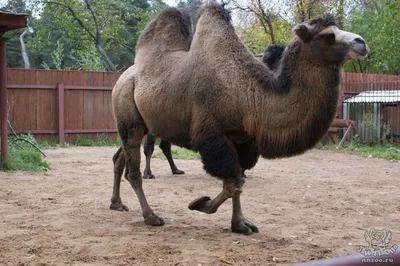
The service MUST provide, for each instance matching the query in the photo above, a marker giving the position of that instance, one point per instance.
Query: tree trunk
(106, 60)
(24, 53)
(271, 31)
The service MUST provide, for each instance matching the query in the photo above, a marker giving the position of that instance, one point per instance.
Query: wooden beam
(3, 100)
(12, 21)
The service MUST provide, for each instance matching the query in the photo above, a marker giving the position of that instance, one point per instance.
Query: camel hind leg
(148, 150)
(131, 140)
(165, 146)
(119, 164)
(166, 149)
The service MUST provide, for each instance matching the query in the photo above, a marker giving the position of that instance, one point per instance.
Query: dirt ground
(308, 207)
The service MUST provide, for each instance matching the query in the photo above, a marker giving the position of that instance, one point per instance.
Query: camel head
(272, 55)
(324, 43)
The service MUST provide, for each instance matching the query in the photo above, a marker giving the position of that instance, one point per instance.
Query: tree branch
(267, 19)
(123, 45)
(80, 22)
(96, 37)
(90, 7)
(249, 9)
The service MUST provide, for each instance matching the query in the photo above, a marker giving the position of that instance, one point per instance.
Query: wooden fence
(49, 103)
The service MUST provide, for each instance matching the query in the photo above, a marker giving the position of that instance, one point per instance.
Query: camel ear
(303, 32)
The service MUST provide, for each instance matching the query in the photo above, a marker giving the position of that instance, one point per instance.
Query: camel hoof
(153, 220)
(243, 227)
(199, 204)
(148, 176)
(118, 207)
(178, 172)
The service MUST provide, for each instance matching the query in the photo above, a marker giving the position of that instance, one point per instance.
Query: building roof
(12, 21)
(389, 96)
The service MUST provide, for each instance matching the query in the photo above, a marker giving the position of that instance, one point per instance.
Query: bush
(22, 155)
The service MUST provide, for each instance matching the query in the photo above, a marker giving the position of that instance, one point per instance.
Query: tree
(90, 17)
(110, 27)
(378, 22)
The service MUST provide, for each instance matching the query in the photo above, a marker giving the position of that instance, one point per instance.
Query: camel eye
(329, 39)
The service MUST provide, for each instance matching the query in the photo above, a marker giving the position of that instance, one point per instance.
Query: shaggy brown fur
(228, 98)
(272, 56)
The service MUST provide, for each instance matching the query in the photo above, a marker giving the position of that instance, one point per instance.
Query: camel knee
(148, 148)
(119, 161)
(218, 157)
(117, 155)
(135, 178)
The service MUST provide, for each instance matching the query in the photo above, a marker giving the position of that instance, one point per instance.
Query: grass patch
(81, 142)
(23, 156)
(85, 142)
(179, 153)
(96, 143)
(386, 151)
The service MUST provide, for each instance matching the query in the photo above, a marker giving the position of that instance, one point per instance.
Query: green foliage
(56, 39)
(57, 57)
(23, 156)
(88, 61)
(179, 153)
(386, 151)
(257, 41)
(97, 143)
(379, 25)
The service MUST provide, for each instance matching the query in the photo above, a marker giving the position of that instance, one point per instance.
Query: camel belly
(165, 119)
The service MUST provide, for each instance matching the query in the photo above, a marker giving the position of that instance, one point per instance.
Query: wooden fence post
(60, 94)
(3, 99)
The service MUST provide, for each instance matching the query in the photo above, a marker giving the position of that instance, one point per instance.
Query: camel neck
(297, 112)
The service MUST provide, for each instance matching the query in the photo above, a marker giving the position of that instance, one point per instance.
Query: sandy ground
(307, 207)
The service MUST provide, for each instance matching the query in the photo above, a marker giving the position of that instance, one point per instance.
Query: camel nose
(359, 46)
(359, 41)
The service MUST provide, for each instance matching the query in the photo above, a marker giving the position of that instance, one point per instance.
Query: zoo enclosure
(373, 101)
(51, 103)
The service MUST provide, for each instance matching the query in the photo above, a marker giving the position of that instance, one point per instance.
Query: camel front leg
(132, 153)
(119, 164)
(247, 155)
(239, 223)
(207, 205)
(220, 159)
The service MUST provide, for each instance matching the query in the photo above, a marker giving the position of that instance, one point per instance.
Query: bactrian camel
(123, 105)
(232, 108)
(121, 98)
